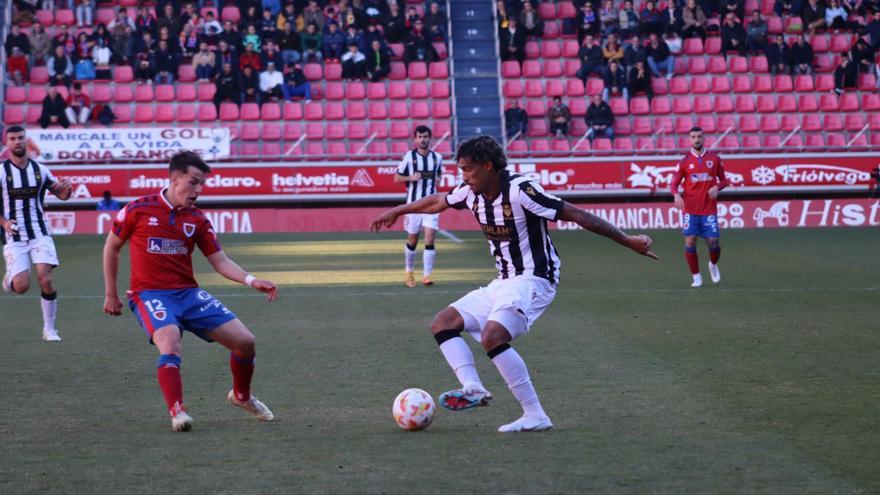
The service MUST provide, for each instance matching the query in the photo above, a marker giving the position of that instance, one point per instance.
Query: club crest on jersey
(709, 163)
(508, 211)
(189, 229)
(691, 166)
(159, 315)
(530, 191)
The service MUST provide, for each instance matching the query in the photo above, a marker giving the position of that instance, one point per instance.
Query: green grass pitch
(766, 383)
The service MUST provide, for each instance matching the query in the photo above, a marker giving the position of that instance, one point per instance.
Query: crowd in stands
(259, 58)
(627, 48)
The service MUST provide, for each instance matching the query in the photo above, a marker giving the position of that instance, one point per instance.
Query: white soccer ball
(413, 409)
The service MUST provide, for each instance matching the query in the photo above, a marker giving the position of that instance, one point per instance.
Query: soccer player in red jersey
(704, 178)
(163, 230)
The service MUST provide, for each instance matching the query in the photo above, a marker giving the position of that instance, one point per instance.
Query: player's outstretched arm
(62, 189)
(434, 203)
(230, 269)
(638, 243)
(112, 247)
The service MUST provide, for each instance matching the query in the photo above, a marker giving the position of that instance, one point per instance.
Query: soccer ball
(413, 409)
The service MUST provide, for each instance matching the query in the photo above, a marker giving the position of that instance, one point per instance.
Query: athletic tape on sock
(444, 335)
(498, 350)
(49, 297)
(169, 360)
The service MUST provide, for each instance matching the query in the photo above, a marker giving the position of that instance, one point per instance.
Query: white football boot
(180, 420)
(51, 335)
(253, 406)
(698, 280)
(713, 271)
(528, 423)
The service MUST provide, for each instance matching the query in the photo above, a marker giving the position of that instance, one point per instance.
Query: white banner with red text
(638, 176)
(630, 216)
(129, 143)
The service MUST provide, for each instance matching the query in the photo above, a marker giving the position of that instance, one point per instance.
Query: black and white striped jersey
(23, 192)
(515, 224)
(428, 166)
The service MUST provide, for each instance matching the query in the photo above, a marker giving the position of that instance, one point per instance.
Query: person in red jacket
(17, 67)
(703, 177)
(79, 106)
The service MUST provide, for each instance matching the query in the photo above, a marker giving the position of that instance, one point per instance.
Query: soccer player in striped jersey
(164, 229)
(512, 212)
(703, 177)
(420, 171)
(24, 230)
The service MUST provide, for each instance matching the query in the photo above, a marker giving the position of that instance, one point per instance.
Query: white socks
(516, 374)
(50, 308)
(410, 257)
(461, 360)
(428, 256)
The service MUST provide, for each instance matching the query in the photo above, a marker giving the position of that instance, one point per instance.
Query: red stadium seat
(123, 74)
(769, 123)
(314, 148)
(531, 68)
(729, 142)
(739, 65)
(828, 103)
(571, 68)
(683, 124)
(332, 72)
(314, 111)
(36, 94)
(623, 144)
(836, 140)
(271, 131)
(314, 131)
(357, 130)
(547, 11)
(440, 109)
(783, 84)
(786, 103)
(623, 127)
(229, 112)
(560, 147)
(400, 130)
(64, 17)
(854, 122)
(14, 115)
(595, 86)
(720, 85)
(871, 102)
(820, 43)
(334, 111)
(100, 93)
(123, 93)
(356, 110)
(659, 106)
(551, 49)
(803, 84)
(642, 126)
(417, 70)
(538, 128)
(313, 72)
(565, 10)
(334, 91)
(165, 93)
(811, 123)
(270, 111)
(377, 91)
(555, 87)
(717, 65)
(578, 107)
(553, 68)
(144, 93)
(713, 46)
(645, 144)
(512, 88)
(697, 85)
(230, 13)
(357, 91)
(250, 132)
(758, 65)
(248, 111)
(582, 147)
(766, 104)
(824, 82)
(551, 31)
(378, 130)
(744, 104)
(399, 110)
(772, 142)
(742, 84)
(438, 70)
(510, 69)
(186, 73)
(748, 123)
(39, 75)
(536, 109)
(418, 90)
(682, 105)
(45, 17)
(378, 148)
(534, 89)
(440, 89)
(789, 123)
(707, 123)
(807, 104)
(207, 112)
(867, 82)
(335, 130)
(763, 84)
(602, 145)
(774, 24)
(292, 111)
(618, 106)
(570, 49)
(874, 122)
(185, 92)
(398, 71)
(144, 114)
(703, 104)
(693, 46)
(815, 141)
(840, 43)
(660, 86)
(166, 112)
(663, 124)
(15, 95)
(696, 65)
(533, 50)
(33, 114)
(378, 111)
(849, 102)
(832, 123)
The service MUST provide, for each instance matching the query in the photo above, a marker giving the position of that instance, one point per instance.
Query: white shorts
(20, 255)
(414, 222)
(516, 303)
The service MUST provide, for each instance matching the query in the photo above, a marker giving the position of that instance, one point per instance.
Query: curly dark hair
(482, 149)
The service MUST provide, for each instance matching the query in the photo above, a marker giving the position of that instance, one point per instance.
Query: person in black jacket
(845, 74)
(639, 81)
(592, 61)
(512, 42)
(249, 82)
(516, 120)
(166, 63)
(378, 63)
(228, 88)
(295, 84)
(53, 110)
(659, 57)
(17, 39)
(600, 119)
(615, 82)
(417, 47)
(862, 55)
(778, 56)
(800, 56)
(733, 36)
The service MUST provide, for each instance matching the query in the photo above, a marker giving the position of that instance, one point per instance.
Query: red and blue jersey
(699, 172)
(162, 239)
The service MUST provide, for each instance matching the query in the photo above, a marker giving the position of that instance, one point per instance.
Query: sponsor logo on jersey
(153, 222)
(160, 245)
(204, 296)
(702, 177)
(498, 233)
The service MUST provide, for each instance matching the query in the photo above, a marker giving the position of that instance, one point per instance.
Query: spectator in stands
(634, 52)
(334, 42)
(856, 7)
(673, 19)
(788, 8)
(231, 36)
(600, 119)
(588, 22)
(836, 16)
(559, 115)
(615, 82)
(528, 20)
(251, 36)
(225, 55)
(117, 25)
(24, 11)
(228, 86)
(108, 203)
(189, 15)
(289, 43)
(417, 47)
(436, 22)
(735, 7)
(516, 120)
(502, 15)
(639, 81)
(144, 44)
(251, 17)
(394, 24)
(53, 110)
(313, 14)
(592, 61)
(757, 33)
(79, 105)
(378, 62)
(40, 43)
(211, 30)
(873, 30)
(17, 67)
(352, 35)
(778, 56)
(60, 68)
(145, 22)
(845, 74)
(862, 55)
(693, 21)
(374, 34)
(166, 63)
(629, 20)
(64, 39)
(267, 25)
(512, 42)
(17, 39)
(288, 15)
(144, 68)
(733, 36)
(651, 19)
(612, 49)
(609, 18)
(813, 16)
(189, 41)
(101, 56)
(312, 44)
(271, 54)
(271, 84)
(169, 19)
(203, 63)
(250, 58)
(674, 42)
(801, 56)
(659, 57)
(295, 84)
(354, 63)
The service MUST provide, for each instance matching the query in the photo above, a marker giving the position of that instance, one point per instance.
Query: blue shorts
(191, 309)
(702, 225)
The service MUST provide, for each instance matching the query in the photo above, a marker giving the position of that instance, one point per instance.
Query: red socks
(714, 255)
(169, 381)
(690, 253)
(242, 373)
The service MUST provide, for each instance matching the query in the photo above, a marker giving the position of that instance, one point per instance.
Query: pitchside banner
(360, 181)
(638, 216)
(129, 143)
